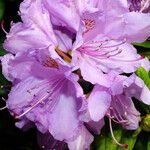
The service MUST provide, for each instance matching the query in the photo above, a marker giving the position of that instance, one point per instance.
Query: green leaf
(1, 9)
(105, 141)
(129, 138)
(137, 131)
(148, 144)
(145, 44)
(141, 143)
(144, 75)
(2, 51)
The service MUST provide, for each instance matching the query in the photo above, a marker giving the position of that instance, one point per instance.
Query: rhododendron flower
(48, 94)
(60, 44)
(102, 42)
(43, 84)
(73, 10)
(36, 31)
(116, 99)
(116, 103)
(94, 52)
(120, 23)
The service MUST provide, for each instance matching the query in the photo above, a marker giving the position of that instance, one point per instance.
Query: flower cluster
(63, 44)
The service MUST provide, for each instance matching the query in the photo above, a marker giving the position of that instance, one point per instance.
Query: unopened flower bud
(146, 123)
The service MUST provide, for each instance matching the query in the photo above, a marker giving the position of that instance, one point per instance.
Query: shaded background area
(12, 138)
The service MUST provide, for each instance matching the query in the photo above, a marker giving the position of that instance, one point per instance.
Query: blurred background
(12, 138)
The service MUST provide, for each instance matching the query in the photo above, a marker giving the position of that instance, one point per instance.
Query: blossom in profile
(116, 102)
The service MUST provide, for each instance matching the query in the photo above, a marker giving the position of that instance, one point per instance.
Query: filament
(28, 110)
(3, 107)
(41, 100)
(2, 26)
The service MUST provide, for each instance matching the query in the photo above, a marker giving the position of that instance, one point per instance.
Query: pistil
(63, 55)
(112, 134)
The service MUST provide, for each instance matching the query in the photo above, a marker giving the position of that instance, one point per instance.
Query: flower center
(101, 49)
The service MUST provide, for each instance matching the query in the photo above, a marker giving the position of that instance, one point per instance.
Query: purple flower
(58, 43)
(73, 10)
(47, 142)
(95, 53)
(103, 41)
(116, 102)
(36, 31)
(121, 23)
(44, 92)
(47, 94)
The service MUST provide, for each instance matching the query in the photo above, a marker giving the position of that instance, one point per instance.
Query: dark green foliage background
(12, 138)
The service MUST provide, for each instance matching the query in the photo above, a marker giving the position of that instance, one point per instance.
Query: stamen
(113, 118)
(28, 110)
(112, 134)
(102, 41)
(99, 49)
(2, 26)
(140, 58)
(117, 53)
(3, 99)
(115, 45)
(126, 108)
(11, 23)
(19, 13)
(3, 107)
(63, 55)
(48, 94)
(144, 5)
(101, 55)
(119, 118)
